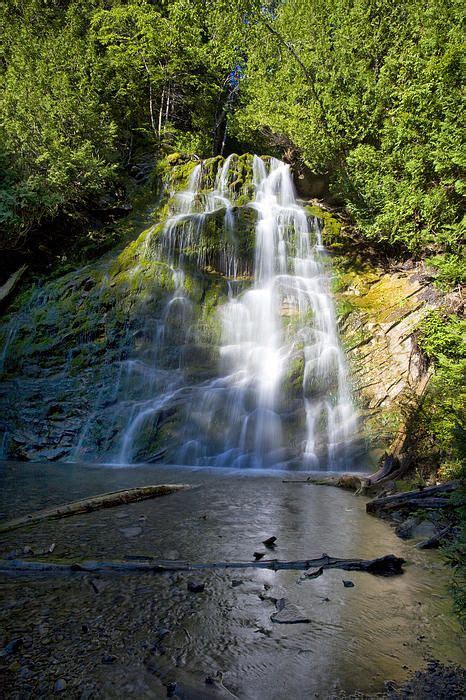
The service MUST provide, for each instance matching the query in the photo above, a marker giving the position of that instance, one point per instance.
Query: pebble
(11, 647)
(270, 541)
(196, 587)
(348, 584)
(133, 531)
(108, 659)
(60, 685)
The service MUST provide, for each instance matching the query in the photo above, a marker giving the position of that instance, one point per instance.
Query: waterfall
(278, 394)
(240, 419)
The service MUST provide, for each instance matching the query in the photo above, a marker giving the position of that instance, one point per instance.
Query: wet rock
(12, 647)
(171, 689)
(348, 584)
(52, 455)
(425, 529)
(133, 531)
(60, 685)
(288, 613)
(270, 542)
(196, 587)
(405, 529)
(259, 555)
(108, 658)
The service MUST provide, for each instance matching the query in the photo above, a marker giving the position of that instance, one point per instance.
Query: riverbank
(107, 636)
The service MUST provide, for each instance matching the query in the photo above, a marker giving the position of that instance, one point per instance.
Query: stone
(288, 613)
(133, 531)
(405, 529)
(60, 685)
(236, 582)
(270, 542)
(12, 647)
(348, 584)
(98, 585)
(425, 530)
(108, 658)
(259, 555)
(196, 587)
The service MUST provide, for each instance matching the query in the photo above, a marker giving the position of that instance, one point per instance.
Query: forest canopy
(366, 93)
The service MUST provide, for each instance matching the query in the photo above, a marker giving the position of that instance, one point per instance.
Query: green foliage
(450, 269)
(443, 337)
(367, 93)
(443, 417)
(455, 555)
(86, 87)
(370, 94)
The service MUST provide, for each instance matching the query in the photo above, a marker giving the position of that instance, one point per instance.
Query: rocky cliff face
(76, 349)
(379, 313)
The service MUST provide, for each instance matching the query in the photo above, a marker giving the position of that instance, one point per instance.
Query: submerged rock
(288, 613)
(60, 685)
(196, 586)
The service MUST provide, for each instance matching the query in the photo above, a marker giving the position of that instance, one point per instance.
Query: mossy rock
(332, 225)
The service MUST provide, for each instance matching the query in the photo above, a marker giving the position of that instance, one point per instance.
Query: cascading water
(276, 391)
(243, 418)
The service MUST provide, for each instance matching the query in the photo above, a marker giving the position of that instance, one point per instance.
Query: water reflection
(357, 637)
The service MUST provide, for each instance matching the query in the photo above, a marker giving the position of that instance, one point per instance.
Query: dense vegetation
(365, 93)
(89, 88)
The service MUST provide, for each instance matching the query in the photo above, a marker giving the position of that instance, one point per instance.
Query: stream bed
(86, 635)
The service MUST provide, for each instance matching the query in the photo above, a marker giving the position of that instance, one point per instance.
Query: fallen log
(88, 505)
(430, 497)
(389, 565)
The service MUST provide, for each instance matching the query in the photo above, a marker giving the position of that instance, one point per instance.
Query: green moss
(333, 228)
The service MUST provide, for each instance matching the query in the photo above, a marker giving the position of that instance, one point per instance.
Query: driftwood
(88, 505)
(430, 497)
(388, 565)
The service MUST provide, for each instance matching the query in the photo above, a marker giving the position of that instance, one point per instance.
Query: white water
(280, 397)
(238, 419)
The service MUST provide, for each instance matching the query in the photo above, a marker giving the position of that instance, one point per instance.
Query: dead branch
(388, 565)
(88, 505)
(430, 497)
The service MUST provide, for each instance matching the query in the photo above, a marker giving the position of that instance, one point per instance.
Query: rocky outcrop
(379, 310)
(71, 347)
(67, 344)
